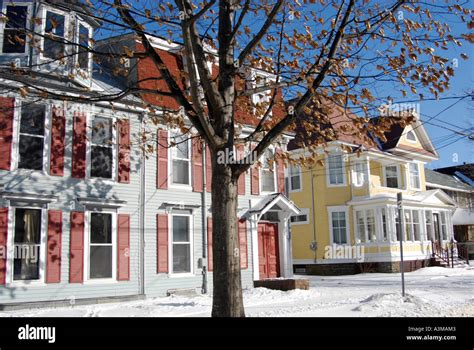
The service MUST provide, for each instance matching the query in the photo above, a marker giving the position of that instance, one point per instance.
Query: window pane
(31, 152)
(101, 228)
(100, 261)
(14, 34)
(102, 131)
(26, 263)
(180, 229)
(54, 24)
(181, 258)
(53, 48)
(391, 177)
(360, 222)
(181, 172)
(27, 238)
(268, 181)
(181, 148)
(101, 162)
(371, 224)
(295, 183)
(27, 226)
(414, 175)
(32, 119)
(83, 56)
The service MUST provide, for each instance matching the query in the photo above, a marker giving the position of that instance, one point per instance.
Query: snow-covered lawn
(431, 292)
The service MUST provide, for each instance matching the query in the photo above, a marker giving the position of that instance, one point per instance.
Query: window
(267, 172)
(27, 244)
(365, 225)
(101, 246)
(102, 148)
(262, 98)
(181, 158)
(336, 169)
(408, 224)
(84, 44)
(295, 178)
(32, 137)
(301, 218)
(397, 224)
(383, 213)
(444, 226)
(416, 225)
(360, 173)
(14, 35)
(414, 175)
(391, 176)
(181, 241)
(339, 227)
(54, 32)
(429, 223)
(411, 136)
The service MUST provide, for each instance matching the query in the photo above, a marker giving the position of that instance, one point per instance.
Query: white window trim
(300, 178)
(366, 167)
(344, 209)
(399, 178)
(87, 237)
(260, 171)
(255, 97)
(304, 211)
(10, 250)
(170, 246)
(419, 175)
(16, 137)
(344, 170)
(77, 69)
(89, 118)
(414, 134)
(171, 184)
(377, 219)
(67, 23)
(3, 25)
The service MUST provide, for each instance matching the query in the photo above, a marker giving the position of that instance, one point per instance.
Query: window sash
(98, 251)
(182, 262)
(414, 175)
(103, 148)
(339, 227)
(391, 176)
(336, 169)
(360, 173)
(13, 30)
(26, 148)
(51, 37)
(295, 178)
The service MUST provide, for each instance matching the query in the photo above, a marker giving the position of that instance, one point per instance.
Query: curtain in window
(29, 247)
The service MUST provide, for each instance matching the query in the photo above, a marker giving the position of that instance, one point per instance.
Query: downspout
(314, 244)
(204, 221)
(142, 212)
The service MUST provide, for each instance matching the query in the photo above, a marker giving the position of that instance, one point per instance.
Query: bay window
(103, 148)
(181, 159)
(360, 173)
(295, 178)
(31, 141)
(267, 172)
(391, 176)
(14, 33)
(336, 169)
(181, 244)
(414, 175)
(101, 246)
(27, 244)
(55, 35)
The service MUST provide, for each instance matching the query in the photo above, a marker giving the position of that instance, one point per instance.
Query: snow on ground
(430, 292)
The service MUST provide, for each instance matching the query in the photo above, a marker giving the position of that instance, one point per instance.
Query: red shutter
(243, 245)
(79, 146)
(53, 260)
(58, 134)
(162, 242)
(123, 247)
(162, 159)
(210, 265)
(76, 255)
(197, 165)
(208, 170)
(124, 151)
(3, 243)
(280, 172)
(7, 106)
(241, 180)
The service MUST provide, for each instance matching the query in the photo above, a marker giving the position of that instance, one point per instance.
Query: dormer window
(55, 33)
(14, 35)
(411, 136)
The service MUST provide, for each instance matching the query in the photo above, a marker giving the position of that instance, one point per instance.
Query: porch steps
(441, 263)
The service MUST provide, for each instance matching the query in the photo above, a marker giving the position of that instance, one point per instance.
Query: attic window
(411, 136)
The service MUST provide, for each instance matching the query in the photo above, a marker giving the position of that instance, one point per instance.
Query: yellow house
(349, 201)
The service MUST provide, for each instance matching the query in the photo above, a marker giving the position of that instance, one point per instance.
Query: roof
(444, 180)
(434, 197)
(464, 169)
(267, 203)
(463, 217)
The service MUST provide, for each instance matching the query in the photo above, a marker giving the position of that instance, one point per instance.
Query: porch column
(286, 268)
(254, 235)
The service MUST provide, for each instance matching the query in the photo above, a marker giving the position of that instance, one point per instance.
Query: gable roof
(443, 180)
(464, 172)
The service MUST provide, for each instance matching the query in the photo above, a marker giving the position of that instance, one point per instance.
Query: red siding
(58, 134)
(162, 159)
(243, 245)
(197, 165)
(53, 260)
(241, 180)
(79, 146)
(162, 243)
(76, 257)
(3, 243)
(7, 106)
(210, 265)
(280, 173)
(123, 247)
(124, 151)
(208, 170)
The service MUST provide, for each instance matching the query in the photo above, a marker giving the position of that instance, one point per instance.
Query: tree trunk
(227, 284)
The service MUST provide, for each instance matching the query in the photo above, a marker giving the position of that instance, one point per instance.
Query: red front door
(268, 253)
